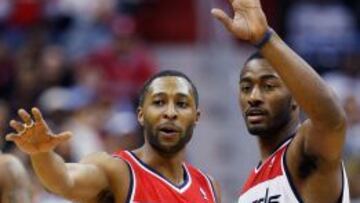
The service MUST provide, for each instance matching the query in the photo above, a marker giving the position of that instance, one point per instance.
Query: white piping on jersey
(179, 190)
(209, 185)
(294, 191)
(257, 169)
(133, 189)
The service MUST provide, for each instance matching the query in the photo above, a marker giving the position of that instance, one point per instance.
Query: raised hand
(34, 136)
(249, 22)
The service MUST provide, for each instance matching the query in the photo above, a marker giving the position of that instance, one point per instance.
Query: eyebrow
(263, 77)
(269, 77)
(245, 79)
(159, 94)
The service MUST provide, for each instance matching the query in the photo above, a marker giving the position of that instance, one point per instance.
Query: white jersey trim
(182, 189)
(344, 196)
(210, 185)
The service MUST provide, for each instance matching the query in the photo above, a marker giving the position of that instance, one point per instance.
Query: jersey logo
(268, 199)
(203, 193)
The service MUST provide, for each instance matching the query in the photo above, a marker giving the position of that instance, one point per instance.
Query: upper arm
(87, 179)
(15, 184)
(314, 161)
(324, 142)
(323, 133)
(96, 174)
(315, 149)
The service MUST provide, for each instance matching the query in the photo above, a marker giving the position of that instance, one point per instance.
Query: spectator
(323, 39)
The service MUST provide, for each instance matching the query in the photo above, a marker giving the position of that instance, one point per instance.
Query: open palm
(34, 136)
(249, 22)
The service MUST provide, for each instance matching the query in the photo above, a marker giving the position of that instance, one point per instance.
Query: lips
(255, 115)
(169, 130)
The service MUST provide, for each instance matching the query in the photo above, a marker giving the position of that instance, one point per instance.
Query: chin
(260, 131)
(166, 149)
(170, 151)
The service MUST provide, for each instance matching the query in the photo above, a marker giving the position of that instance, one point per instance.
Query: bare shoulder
(317, 147)
(114, 168)
(104, 160)
(96, 158)
(6, 159)
(10, 164)
(117, 171)
(12, 172)
(313, 163)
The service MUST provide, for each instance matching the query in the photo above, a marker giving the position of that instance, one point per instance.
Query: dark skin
(169, 105)
(314, 155)
(167, 114)
(267, 106)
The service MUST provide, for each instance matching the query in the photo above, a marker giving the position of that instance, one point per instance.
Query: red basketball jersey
(271, 183)
(148, 186)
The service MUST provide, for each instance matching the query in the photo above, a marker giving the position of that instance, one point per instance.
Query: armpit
(308, 164)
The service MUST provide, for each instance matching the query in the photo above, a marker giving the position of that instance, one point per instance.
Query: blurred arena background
(82, 62)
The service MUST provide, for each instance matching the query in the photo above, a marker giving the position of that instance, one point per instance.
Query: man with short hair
(301, 161)
(156, 172)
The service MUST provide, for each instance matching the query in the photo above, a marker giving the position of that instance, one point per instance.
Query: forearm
(307, 87)
(52, 172)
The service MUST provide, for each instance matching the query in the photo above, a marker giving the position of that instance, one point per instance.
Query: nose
(170, 112)
(255, 97)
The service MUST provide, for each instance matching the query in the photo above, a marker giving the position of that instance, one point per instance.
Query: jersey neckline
(279, 146)
(180, 188)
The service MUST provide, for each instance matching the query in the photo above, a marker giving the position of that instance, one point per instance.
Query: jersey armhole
(292, 185)
(216, 197)
(289, 178)
(340, 200)
(131, 189)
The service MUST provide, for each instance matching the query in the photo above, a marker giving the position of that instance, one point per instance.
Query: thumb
(64, 136)
(222, 16)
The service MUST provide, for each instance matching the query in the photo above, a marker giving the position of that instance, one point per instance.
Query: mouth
(255, 115)
(169, 131)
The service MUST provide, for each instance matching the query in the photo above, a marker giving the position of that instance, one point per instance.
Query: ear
(294, 105)
(197, 116)
(140, 116)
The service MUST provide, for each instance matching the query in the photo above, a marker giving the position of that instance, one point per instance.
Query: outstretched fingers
(222, 16)
(17, 126)
(12, 137)
(62, 137)
(25, 116)
(37, 115)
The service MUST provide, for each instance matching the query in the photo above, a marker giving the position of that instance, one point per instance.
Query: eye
(268, 87)
(245, 88)
(158, 102)
(182, 104)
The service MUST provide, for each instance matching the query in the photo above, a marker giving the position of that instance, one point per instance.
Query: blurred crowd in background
(83, 62)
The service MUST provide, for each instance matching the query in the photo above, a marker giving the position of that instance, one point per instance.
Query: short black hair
(166, 73)
(255, 55)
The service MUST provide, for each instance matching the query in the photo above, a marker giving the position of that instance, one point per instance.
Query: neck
(269, 143)
(168, 165)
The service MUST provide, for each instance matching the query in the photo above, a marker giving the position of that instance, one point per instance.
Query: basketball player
(301, 162)
(156, 172)
(14, 181)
